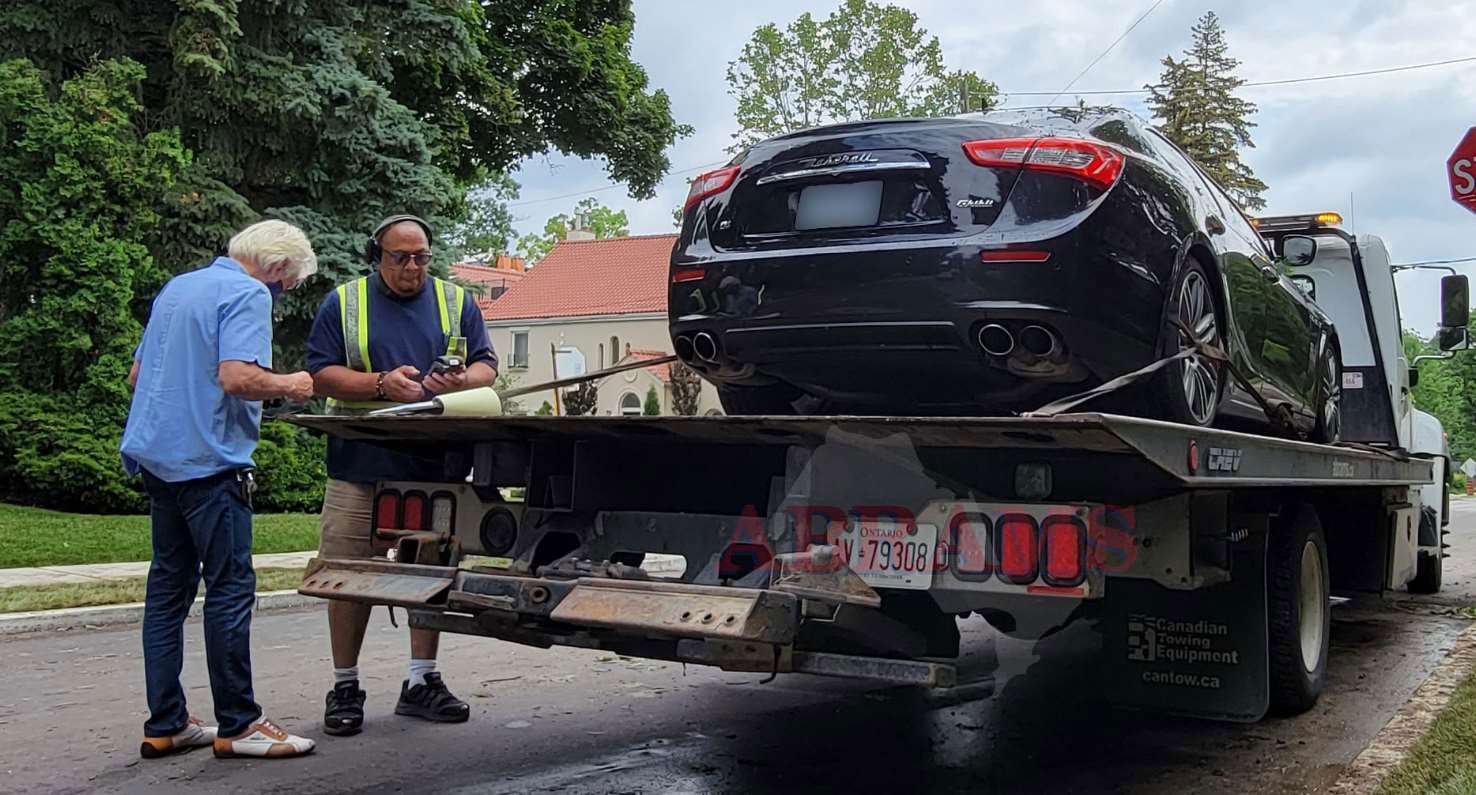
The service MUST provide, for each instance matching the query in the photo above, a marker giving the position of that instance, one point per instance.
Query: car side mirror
(1298, 250)
(1455, 302)
(1306, 284)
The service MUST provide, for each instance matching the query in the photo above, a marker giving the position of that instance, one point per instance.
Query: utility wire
(1109, 49)
(1433, 262)
(1256, 83)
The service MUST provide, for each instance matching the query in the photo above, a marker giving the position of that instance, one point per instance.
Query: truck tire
(1428, 565)
(1297, 612)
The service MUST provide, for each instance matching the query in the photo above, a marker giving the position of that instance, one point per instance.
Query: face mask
(275, 288)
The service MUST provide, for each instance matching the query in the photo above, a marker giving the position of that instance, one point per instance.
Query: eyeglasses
(403, 258)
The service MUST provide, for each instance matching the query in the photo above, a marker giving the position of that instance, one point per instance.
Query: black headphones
(372, 251)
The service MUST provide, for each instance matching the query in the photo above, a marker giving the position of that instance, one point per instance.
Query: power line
(611, 186)
(1434, 262)
(1257, 83)
(1109, 49)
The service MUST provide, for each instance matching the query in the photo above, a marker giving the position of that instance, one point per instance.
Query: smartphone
(447, 364)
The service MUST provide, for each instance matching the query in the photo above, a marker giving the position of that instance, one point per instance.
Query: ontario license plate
(892, 555)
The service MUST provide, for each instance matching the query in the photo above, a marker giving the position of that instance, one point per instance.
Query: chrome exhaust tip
(682, 346)
(996, 340)
(705, 346)
(1039, 341)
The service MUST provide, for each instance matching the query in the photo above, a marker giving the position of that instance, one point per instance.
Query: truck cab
(1352, 279)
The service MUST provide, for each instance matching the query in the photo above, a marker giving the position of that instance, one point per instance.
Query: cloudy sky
(1373, 148)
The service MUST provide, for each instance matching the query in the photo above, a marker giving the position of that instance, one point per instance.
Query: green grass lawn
(37, 537)
(1444, 760)
(116, 592)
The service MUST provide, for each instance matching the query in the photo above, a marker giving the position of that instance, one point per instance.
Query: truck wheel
(1298, 616)
(1428, 565)
(773, 400)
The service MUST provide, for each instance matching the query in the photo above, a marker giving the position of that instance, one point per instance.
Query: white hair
(268, 244)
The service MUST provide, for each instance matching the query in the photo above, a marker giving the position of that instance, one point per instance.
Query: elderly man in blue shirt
(199, 376)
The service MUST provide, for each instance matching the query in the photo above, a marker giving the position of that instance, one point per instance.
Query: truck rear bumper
(735, 629)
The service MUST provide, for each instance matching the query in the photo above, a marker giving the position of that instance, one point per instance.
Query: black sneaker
(345, 713)
(432, 701)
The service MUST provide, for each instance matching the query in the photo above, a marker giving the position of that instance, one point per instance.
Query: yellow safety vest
(353, 300)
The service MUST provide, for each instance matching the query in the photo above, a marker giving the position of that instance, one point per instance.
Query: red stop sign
(1461, 169)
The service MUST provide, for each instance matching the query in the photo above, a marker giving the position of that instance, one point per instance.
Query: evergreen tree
(686, 390)
(581, 399)
(653, 403)
(1197, 109)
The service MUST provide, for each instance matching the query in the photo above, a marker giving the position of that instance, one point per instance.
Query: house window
(601, 364)
(520, 349)
(614, 349)
(630, 404)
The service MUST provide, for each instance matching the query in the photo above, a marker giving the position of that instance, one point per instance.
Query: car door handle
(1214, 225)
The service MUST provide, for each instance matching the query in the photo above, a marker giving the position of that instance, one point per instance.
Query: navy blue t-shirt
(401, 331)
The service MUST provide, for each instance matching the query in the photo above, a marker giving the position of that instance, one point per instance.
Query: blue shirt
(182, 425)
(402, 330)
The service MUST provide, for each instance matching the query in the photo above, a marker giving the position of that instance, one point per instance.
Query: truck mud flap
(375, 583)
(1201, 653)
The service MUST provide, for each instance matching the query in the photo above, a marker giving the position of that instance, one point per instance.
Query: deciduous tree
(864, 61)
(602, 221)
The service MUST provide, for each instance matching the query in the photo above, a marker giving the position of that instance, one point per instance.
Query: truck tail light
(1064, 539)
(1018, 547)
(1096, 164)
(412, 511)
(713, 182)
(387, 510)
(443, 512)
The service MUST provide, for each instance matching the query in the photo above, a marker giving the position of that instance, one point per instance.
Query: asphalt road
(568, 721)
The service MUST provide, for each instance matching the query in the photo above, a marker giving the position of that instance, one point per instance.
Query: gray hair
(268, 244)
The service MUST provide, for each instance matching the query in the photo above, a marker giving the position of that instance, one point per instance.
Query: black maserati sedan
(988, 264)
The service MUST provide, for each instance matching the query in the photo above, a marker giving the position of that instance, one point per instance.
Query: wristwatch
(379, 387)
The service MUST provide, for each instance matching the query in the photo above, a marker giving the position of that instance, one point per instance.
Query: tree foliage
(652, 407)
(686, 390)
(332, 114)
(1197, 109)
(487, 229)
(864, 61)
(581, 400)
(1447, 389)
(80, 193)
(604, 222)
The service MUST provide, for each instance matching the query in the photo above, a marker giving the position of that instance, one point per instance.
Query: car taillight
(705, 185)
(1064, 538)
(443, 512)
(387, 510)
(688, 275)
(412, 511)
(1018, 548)
(1096, 164)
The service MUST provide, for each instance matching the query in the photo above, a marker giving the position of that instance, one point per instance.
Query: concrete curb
(118, 615)
(1398, 737)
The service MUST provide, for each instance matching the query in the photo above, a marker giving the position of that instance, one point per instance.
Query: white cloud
(1384, 139)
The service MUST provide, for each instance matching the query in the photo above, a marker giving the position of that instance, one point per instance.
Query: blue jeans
(200, 527)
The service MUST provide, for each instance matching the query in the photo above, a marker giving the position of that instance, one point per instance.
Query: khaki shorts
(344, 526)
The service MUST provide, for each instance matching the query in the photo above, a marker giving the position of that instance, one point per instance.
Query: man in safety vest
(373, 344)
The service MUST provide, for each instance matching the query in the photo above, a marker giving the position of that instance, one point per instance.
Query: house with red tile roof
(588, 305)
(491, 281)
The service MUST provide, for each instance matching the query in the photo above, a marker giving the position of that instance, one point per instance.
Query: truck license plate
(892, 555)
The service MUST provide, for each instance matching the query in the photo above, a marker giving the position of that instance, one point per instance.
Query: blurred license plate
(890, 555)
(829, 206)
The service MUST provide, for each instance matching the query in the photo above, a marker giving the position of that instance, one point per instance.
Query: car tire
(775, 400)
(1329, 397)
(1429, 566)
(1192, 388)
(1298, 612)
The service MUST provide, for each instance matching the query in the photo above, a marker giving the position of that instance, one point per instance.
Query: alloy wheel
(1332, 400)
(1200, 378)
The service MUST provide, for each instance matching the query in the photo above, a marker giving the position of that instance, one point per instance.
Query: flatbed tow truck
(849, 546)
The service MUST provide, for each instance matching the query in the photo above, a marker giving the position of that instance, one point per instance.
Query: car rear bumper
(901, 327)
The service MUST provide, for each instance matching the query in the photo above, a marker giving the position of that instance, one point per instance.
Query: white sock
(418, 670)
(348, 674)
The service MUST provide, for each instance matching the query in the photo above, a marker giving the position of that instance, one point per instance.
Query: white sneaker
(195, 735)
(263, 738)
